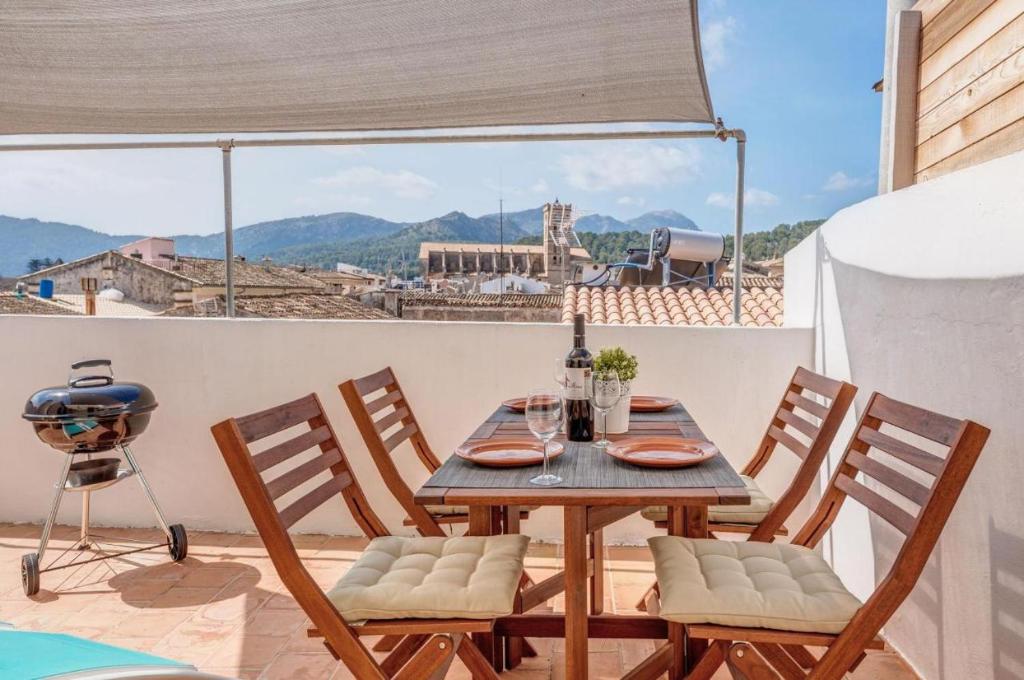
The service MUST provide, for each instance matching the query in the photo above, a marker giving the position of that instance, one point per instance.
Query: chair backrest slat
(963, 441)
(798, 423)
(908, 453)
(298, 476)
(798, 395)
(800, 401)
(376, 416)
(883, 507)
(788, 440)
(893, 479)
(314, 499)
(278, 454)
(391, 419)
(934, 426)
(273, 420)
(234, 437)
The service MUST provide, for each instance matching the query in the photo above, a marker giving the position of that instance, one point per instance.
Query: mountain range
(315, 240)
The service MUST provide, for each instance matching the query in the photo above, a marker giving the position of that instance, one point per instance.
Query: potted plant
(623, 364)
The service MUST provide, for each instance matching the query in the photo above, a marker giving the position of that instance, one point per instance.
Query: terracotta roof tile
(288, 306)
(10, 303)
(653, 306)
(427, 298)
(210, 272)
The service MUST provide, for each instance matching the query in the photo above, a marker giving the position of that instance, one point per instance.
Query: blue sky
(795, 74)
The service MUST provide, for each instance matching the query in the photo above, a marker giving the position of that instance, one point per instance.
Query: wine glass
(544, 418)
(605, 392)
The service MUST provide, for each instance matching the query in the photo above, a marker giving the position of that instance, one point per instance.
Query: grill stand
(176, 543)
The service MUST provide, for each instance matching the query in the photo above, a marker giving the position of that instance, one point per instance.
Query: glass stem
(545, 470)
(604, 421)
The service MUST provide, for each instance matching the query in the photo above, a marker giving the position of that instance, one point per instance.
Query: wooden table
(598, 490)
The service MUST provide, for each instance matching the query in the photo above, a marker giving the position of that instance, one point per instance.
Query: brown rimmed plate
(515, 405)
(662, 452)
(508, 452)
(651, 404)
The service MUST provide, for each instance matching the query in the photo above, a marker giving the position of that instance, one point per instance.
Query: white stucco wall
(920, 294)
(204, 370)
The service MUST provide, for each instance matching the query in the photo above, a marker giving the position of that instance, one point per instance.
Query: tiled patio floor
(224, 608)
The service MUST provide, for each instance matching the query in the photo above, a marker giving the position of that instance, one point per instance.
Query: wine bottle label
(576, 380)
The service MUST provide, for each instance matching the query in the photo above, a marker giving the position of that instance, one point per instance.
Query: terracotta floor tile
(225, 609)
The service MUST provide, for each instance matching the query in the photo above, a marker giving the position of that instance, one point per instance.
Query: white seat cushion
(752, 513)
(750, 584)
(467, 577)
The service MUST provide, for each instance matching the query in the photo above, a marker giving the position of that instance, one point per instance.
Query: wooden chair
(764, 518)
(916, 491)
(427, 643)
(385, 421)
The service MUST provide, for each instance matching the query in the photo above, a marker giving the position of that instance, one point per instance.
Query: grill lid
(90, 396)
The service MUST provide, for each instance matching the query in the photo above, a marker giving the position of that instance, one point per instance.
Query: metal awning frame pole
(229, 236)
(226, 146)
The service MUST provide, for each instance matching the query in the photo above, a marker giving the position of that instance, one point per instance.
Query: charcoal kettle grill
(91, 415)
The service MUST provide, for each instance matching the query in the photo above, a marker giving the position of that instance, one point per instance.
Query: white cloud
(614, 166)
(715, 39)
(840, 181)
(752, 198)
(540, 186)
(636, 201)
(402, 183)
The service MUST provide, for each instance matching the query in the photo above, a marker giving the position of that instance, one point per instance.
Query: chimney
(266, 263)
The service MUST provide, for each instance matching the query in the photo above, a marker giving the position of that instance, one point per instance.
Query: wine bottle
(579, 414)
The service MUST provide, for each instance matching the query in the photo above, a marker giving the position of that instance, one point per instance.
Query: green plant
(618, 360)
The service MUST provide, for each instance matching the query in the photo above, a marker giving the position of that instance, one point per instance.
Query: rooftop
(287, 306)
(419, 297)
(225, 610)
(105, 307)
(210, 272)
(30, 304)
(428, 247)
(657, 306)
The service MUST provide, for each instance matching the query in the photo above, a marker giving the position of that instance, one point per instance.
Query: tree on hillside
(36, 264)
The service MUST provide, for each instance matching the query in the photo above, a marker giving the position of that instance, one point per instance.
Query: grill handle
(97, 379)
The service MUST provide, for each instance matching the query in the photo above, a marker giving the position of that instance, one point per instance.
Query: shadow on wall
(1006, 557)
(955, 346)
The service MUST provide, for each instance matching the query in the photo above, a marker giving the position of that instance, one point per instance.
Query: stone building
(172, 280)
(511, 307)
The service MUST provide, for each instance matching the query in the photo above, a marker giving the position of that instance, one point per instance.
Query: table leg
(695, 525)
(576, 591)
(482, 523)
(676, 631)
(513, 645)
(597, 581)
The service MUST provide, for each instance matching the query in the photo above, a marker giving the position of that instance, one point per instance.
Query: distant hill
(318, 240)
(773, 243)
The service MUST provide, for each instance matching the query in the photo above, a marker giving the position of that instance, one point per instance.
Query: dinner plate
(515, 405)
(508, 452)
(640, 404)
(662, 452)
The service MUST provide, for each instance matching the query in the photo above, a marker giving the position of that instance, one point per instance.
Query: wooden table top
(591, 477)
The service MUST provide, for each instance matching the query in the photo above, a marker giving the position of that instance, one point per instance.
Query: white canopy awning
(182, 66)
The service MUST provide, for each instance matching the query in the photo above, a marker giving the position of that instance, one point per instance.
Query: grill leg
(57, 495)
(85, 543)
(149, 492)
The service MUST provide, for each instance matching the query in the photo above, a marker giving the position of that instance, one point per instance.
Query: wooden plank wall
(971, 86)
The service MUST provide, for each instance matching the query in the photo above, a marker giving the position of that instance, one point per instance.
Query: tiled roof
(427, 298)
(749, 280)
(30, 304)
(428, 247)
(655, 306)
(210, 272)
(288, 306)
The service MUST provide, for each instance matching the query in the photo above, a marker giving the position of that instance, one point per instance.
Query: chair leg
(710, 662)
(478, 666)
(746, 664)
(387, 643)
(650, 593)
(404, 651)
(432, 660)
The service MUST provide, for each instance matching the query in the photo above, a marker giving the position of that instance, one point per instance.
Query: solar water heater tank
(687, 245)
